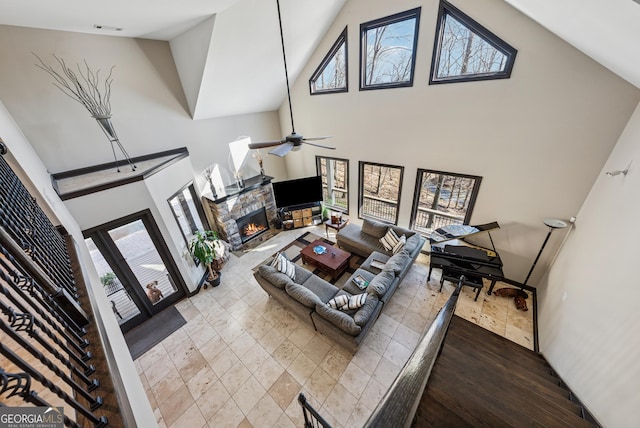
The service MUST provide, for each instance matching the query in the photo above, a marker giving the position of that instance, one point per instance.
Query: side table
(335, 226)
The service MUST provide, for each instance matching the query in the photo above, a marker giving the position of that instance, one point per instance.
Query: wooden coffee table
(334, 261)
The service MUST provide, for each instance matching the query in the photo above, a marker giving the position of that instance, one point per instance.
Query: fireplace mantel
(223, 210)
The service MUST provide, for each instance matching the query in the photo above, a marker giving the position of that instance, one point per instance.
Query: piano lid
(459, 231)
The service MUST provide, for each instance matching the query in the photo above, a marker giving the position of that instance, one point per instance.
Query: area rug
(292, 251)
(153, 331)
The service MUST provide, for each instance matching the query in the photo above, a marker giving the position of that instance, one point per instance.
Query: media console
(296, 216)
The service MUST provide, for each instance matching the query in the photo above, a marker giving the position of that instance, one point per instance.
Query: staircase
(484, 380)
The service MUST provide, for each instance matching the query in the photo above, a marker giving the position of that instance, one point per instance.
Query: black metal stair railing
(44, 353)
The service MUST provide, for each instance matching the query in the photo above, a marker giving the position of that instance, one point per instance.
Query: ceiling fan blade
(263, 144)
(306, 141)
(282, 149)
(315, 138)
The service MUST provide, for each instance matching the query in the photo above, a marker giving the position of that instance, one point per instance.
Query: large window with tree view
(442, 198)
(379, 191)
(331, 74)
(464, 50)
(388, 50)
(335, 182)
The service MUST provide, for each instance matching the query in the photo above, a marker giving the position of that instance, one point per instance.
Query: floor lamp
(553, 224)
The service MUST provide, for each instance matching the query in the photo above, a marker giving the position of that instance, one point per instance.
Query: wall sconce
(617, 172)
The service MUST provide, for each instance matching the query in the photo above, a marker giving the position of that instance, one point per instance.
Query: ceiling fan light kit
(294, 140)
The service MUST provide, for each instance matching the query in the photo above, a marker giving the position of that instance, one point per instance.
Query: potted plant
(211, 251)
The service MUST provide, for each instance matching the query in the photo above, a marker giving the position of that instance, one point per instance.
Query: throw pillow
(284, 265)
(345, 302)
(338, 301)
(389, 240)
(398, 247)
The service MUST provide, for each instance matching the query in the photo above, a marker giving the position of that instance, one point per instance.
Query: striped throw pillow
(284, 265)
(400, 245)
(344, 302)
(389, 240)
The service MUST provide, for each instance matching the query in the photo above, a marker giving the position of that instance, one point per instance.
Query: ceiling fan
(284, 146)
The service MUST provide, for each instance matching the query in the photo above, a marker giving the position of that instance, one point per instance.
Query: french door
(135, 268)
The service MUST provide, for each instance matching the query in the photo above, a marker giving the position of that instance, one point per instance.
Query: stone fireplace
(227, 213)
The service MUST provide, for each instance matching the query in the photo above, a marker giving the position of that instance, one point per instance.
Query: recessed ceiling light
(106, 28)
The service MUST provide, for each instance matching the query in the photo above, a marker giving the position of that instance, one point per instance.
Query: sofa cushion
(321, 288)
(271, 274)
(380, 257)
(374, 228)
(361, 317)
(381, 282)
(302, 294)
(340, 319)
(389, 240)
(351, 288)
(412, 242)
(398, 262)
(284, 265)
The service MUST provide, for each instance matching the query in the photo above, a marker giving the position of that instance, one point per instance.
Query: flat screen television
(297, 192)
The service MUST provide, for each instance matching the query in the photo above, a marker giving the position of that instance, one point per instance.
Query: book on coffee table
(379, 264)
(360, 282)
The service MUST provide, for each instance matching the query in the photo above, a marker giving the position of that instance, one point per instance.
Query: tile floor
(242, 359)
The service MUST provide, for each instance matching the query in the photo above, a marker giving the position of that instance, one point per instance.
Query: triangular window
(466, 51)
(331, 74)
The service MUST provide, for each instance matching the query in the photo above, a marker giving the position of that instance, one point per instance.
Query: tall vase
(110, 132)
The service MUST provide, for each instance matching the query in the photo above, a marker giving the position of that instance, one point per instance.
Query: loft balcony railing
(427, 220)
(337, 197)
(380, 208)
(50, 354)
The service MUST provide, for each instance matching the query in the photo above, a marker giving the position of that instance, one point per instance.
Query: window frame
(198, 205)
(361, 166)
(496, 42)
(388, 20)
(418, 186)
(342, 38)
(319, 172)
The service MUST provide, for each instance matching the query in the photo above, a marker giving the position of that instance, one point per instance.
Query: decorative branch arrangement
(85, 88)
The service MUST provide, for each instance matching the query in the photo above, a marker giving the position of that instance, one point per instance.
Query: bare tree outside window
(331, 74)
(465, 51)
(388, 50)
(380, 191)
(442, 199)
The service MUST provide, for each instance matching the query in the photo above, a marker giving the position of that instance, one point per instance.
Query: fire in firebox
(252, 228)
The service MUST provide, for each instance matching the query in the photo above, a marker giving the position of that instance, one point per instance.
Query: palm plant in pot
(211, 251)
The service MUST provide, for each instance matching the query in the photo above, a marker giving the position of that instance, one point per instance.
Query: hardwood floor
(484, 380)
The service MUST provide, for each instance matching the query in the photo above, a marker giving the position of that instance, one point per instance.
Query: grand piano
(456, 257)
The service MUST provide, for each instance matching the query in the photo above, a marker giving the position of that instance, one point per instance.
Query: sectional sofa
(308, 296)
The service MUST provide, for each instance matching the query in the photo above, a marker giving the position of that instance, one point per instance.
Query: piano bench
(472, 281)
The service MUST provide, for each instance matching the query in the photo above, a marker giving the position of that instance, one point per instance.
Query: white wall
(32, 172)
(588, 317)
(150, 112)
(538, 139)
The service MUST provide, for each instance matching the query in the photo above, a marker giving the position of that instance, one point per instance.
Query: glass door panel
(122, 304)
(140, 253)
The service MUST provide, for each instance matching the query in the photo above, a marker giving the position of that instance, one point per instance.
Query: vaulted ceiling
(228, 52)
